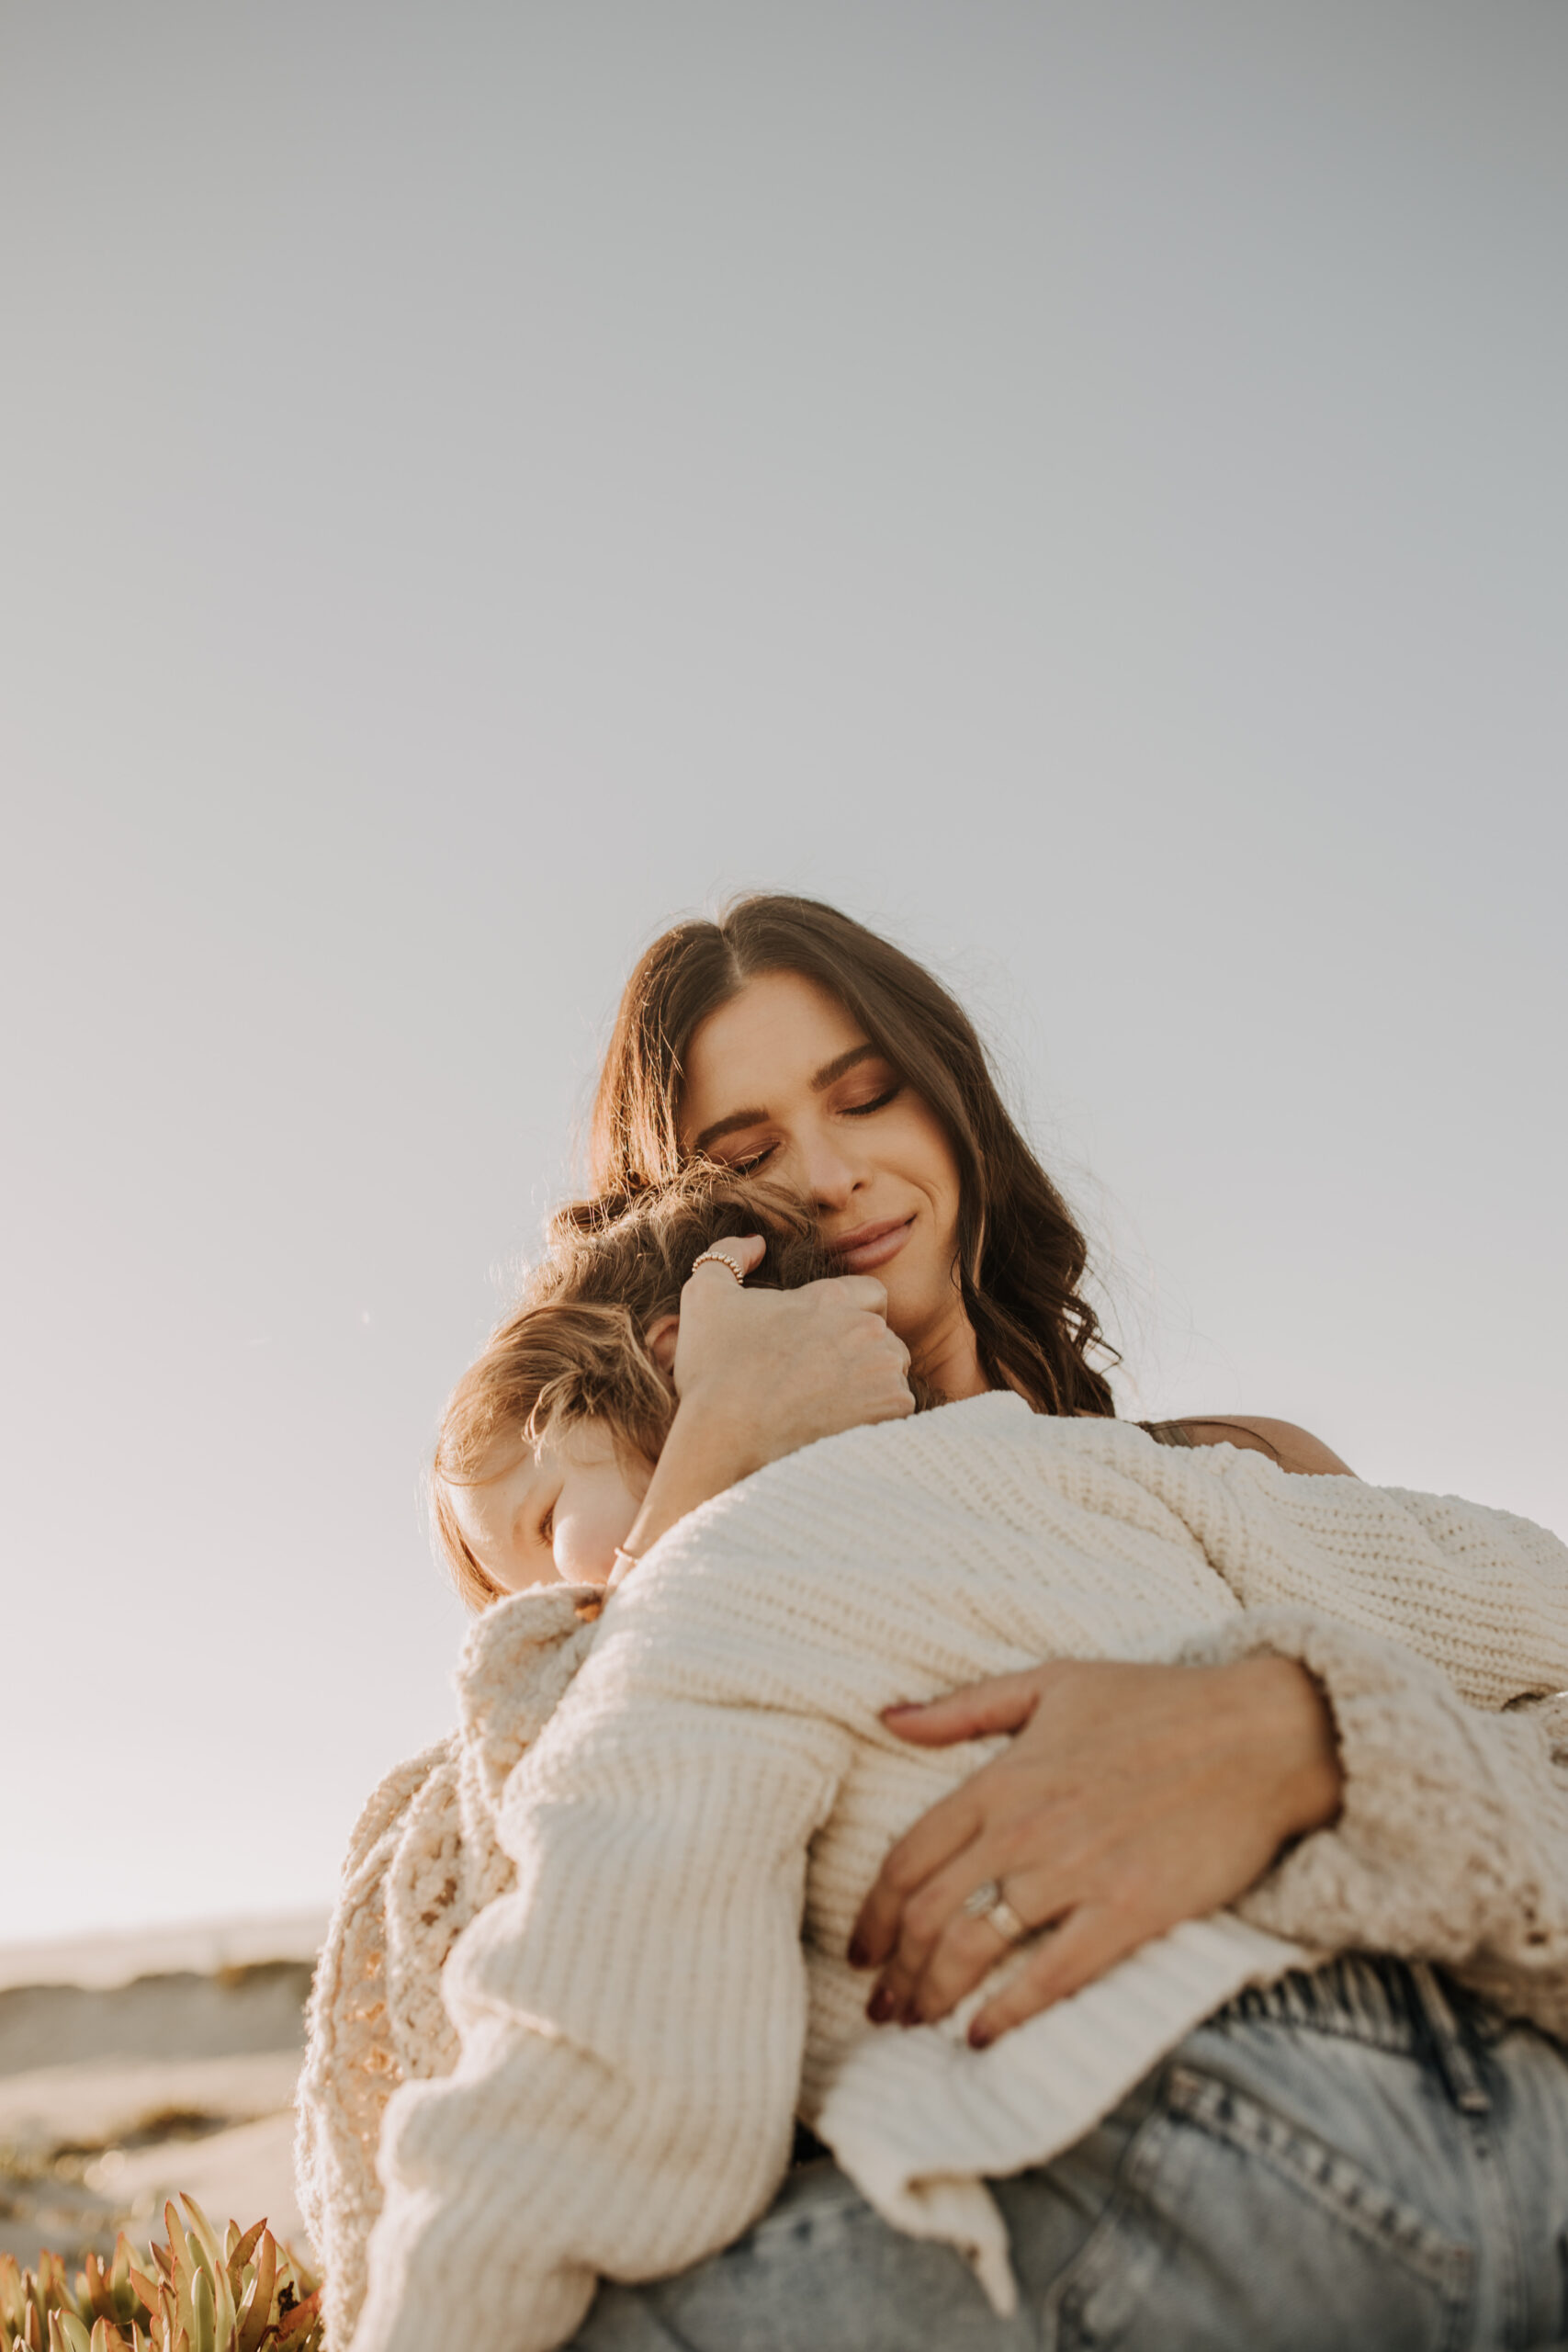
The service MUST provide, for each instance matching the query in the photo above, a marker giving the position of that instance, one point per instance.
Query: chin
(916, 1315)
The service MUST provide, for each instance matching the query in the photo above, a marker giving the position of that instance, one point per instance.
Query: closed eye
(877, 1102)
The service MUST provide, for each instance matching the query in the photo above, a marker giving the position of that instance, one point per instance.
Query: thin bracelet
(624, 1562)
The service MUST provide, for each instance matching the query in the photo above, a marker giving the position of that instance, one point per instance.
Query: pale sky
(1081, 488)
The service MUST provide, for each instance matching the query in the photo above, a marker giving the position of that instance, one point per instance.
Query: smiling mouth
(871, 1246)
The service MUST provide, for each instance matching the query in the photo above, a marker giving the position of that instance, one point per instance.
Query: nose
(827, 1174)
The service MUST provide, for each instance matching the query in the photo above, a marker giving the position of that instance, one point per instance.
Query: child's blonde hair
(576, 1349)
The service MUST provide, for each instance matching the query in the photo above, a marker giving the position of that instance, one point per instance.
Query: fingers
(855, 1290)
(748, 1249)
(941, 1952)
(936, 1838)
(1004, 1702)
(1070, 1953)
(1089, 1941)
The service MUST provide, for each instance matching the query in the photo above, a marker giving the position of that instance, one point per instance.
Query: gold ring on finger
(721, 1257)
(988, 1902)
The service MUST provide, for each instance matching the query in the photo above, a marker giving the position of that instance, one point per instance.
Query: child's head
(549, 1442)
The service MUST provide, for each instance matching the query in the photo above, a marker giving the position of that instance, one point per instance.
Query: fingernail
(880, 2007)
(859, 1956)
(980, 2036)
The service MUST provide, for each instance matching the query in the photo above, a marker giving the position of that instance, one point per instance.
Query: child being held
(550, 1441)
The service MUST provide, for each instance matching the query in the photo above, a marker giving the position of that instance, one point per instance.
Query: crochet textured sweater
(662, 1883)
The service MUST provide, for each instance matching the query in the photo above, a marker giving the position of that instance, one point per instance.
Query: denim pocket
(1336, 2183)
(1231, 2227)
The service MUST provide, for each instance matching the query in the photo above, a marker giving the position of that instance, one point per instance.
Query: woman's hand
(1130, 1798)
(759, 1373)
(786, 1367)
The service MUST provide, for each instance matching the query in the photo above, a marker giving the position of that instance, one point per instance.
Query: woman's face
(782, 1078)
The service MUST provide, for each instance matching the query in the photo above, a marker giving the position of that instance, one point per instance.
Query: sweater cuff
(1418, 1862)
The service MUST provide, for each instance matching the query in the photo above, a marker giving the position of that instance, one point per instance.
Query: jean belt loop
(1458, 2066)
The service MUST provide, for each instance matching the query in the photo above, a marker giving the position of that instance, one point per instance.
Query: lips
(870, 1246)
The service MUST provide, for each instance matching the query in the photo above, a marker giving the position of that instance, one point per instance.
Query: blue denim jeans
(1365, 2159)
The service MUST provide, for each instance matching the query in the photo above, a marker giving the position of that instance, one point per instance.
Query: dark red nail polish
(859, 1956)
(879, 2008)
(979, 2036)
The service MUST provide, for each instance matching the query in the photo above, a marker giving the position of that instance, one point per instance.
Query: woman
(789, 1038)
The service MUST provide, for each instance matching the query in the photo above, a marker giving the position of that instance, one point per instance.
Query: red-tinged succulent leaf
(205, 2249)
(249, 2241)
(179, 2245)
(145, 2290)
(257, 2313)
(294, 2323)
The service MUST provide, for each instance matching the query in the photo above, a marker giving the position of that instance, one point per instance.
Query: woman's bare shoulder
(1291, 1447)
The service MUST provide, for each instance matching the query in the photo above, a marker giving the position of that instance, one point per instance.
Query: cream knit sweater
(667, 1880)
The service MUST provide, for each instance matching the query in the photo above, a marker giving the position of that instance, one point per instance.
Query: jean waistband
(1406, 2006)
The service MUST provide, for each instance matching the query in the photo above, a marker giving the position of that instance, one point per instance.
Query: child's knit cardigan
(658, 1982)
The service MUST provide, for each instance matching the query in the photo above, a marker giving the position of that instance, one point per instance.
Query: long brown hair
(1021, 1254)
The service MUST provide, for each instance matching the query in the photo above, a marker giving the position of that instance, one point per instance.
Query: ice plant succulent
(197, 2293)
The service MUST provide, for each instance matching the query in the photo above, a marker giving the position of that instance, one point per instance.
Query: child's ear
(661, 1337)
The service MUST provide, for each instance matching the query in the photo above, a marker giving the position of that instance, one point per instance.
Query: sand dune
(132, 2066)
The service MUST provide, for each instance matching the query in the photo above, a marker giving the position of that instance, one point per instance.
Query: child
(655, 1979)
(548, 1442)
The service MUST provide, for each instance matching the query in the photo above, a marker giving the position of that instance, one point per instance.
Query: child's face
(552, 1513)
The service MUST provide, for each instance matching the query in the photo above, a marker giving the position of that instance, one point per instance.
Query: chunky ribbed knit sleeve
(1437, 1629)
(632, 2020)
(1452, 1842)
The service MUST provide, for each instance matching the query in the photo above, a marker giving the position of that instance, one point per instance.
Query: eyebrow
(826, 1076)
